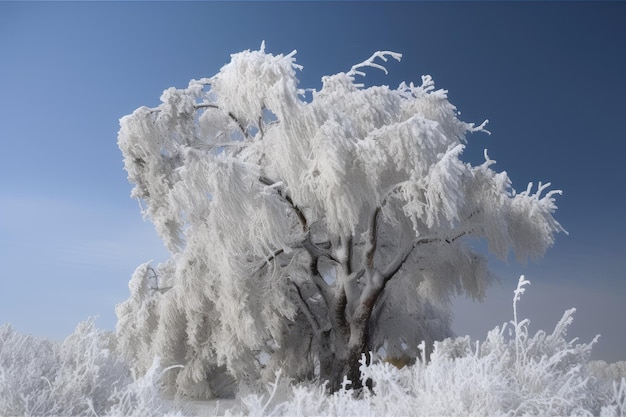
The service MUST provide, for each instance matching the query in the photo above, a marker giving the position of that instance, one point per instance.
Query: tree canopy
(308, 227)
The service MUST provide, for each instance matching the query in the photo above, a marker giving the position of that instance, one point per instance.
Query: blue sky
(548, 76)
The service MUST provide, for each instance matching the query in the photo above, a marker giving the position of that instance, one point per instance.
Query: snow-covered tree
(308, 227)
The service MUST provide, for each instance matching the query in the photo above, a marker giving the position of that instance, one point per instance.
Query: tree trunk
(345, 348)
(344, 344)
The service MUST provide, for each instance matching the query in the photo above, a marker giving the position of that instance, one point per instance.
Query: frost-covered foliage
(511, 373)
(26, 364)
(82, 376)
(44, 378)
(308, 227)
(609, 371)
(143, 397)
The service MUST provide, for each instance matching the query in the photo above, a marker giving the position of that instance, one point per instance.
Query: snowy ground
(208, 408)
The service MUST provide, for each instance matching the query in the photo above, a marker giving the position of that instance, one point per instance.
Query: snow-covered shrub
(82, 376)
(609, 371)
(90, 370)
(27, 365)
(612, 379)
(45, 378)
(510, 373)
(143, 397)
(615, 400)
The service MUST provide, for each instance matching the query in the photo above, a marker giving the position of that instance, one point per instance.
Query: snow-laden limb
(305, 233)
(371, 62)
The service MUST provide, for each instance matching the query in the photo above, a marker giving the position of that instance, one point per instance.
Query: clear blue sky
(549, 77)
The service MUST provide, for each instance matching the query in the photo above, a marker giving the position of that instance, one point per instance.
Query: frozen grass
(510, 373)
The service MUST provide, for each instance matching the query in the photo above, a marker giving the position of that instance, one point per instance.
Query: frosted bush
(27, 364)
(77, 377)
(89, 370)
(608, 371)
(143, 397)
(616, 400)
(612, 378)
(510, 373)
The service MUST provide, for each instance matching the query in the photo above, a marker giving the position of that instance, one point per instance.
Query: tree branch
(230, 114)
(322, 287)
(315, 251)
(287, 198)
(397, 263)
(350, 244)
(156, 287)
(305, 307)
(341, 302)
(271, 258)
(460, 235)
(260, 122)
(373, 239)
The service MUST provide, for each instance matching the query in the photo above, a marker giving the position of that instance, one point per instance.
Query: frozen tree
(308, 227)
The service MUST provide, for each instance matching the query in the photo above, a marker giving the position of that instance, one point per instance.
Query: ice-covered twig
(370, 63)
(273, 393)
(516, 297)
(488, 161)
(480, 128)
